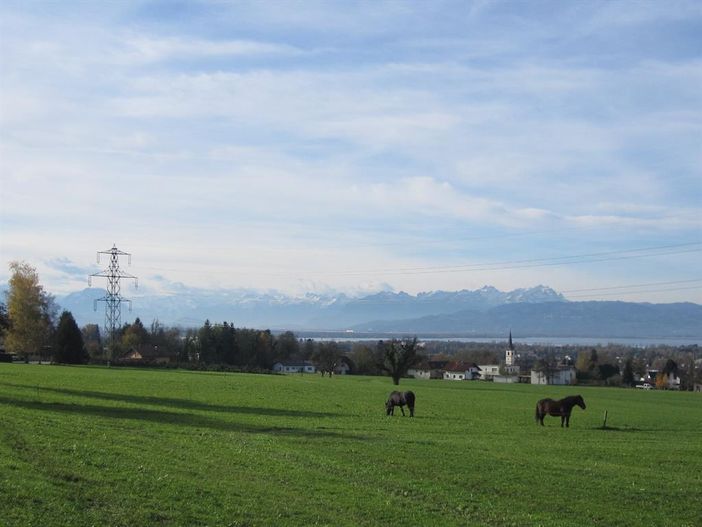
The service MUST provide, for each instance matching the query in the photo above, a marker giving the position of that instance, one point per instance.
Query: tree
(628, 373)
(30, 310)
(134, 335)
(308, 349)
(671, 368)
(661, 381)
(605, 371)
(92, 340)
(4, 320)
(364, 359)
(288, 345)
(227, 350)
(206, 340)
(398, 356)
(69, 347)
(327, 357)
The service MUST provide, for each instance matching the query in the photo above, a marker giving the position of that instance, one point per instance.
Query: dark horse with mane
(400, 399)
(561, 408)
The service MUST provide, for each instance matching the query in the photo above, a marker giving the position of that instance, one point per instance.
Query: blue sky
(356, 146)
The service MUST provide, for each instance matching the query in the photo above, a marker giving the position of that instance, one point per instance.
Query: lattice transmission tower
(113, 299)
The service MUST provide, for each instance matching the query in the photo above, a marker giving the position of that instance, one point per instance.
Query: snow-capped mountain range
(330, 311)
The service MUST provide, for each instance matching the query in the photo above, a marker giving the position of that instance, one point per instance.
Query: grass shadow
(617, 429)
(170, 418)
(185, 404)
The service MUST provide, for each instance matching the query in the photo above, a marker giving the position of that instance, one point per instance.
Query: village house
(559, 375)
(145, 354)
(488, 371)
(303, 366)
(506, 379)
(462, 371)
(431, 369)
(672, 381)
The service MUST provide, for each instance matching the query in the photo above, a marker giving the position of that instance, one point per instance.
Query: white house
(488, 371)
(294, 367)
(462, 371)
(564, 375)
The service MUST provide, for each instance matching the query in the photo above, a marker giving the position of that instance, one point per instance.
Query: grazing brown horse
(560, 408)
(400, 399)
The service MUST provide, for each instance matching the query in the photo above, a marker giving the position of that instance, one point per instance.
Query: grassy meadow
(82, 446)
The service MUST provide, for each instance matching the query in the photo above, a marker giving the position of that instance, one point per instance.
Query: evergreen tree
(226, 344)
(628, 373)
(206, 339)
(671, 368)
(68, 346)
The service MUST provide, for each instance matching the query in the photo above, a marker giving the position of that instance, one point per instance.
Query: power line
(536, 262)
(636, 292)
(626, 254)
(632, 286)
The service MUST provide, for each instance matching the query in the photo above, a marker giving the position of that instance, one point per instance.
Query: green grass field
(98, 446)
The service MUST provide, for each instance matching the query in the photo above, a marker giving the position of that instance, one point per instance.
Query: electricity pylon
(113, 299)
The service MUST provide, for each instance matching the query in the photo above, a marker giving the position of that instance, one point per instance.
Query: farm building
(144, 355)
(432, 369)
(462, 371)
(562, 375)
(294, 367)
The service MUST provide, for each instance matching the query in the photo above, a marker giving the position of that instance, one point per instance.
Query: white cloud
(139, 48)
(416, 133)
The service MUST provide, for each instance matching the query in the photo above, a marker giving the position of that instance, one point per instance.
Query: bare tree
(397, 356)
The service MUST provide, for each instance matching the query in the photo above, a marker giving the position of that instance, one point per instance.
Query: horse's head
(580, 401)
(388, 406)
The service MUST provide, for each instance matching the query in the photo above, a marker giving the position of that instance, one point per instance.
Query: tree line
(30, 327)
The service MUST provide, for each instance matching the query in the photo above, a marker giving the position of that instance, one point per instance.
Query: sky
(323, 146)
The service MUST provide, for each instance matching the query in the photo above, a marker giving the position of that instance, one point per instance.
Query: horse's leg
(567, 420)
(562, 420)
(402, 408)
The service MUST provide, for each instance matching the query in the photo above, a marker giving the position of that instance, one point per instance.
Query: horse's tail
(536, 415)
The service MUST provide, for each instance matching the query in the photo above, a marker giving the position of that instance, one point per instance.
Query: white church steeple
(509, 354)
